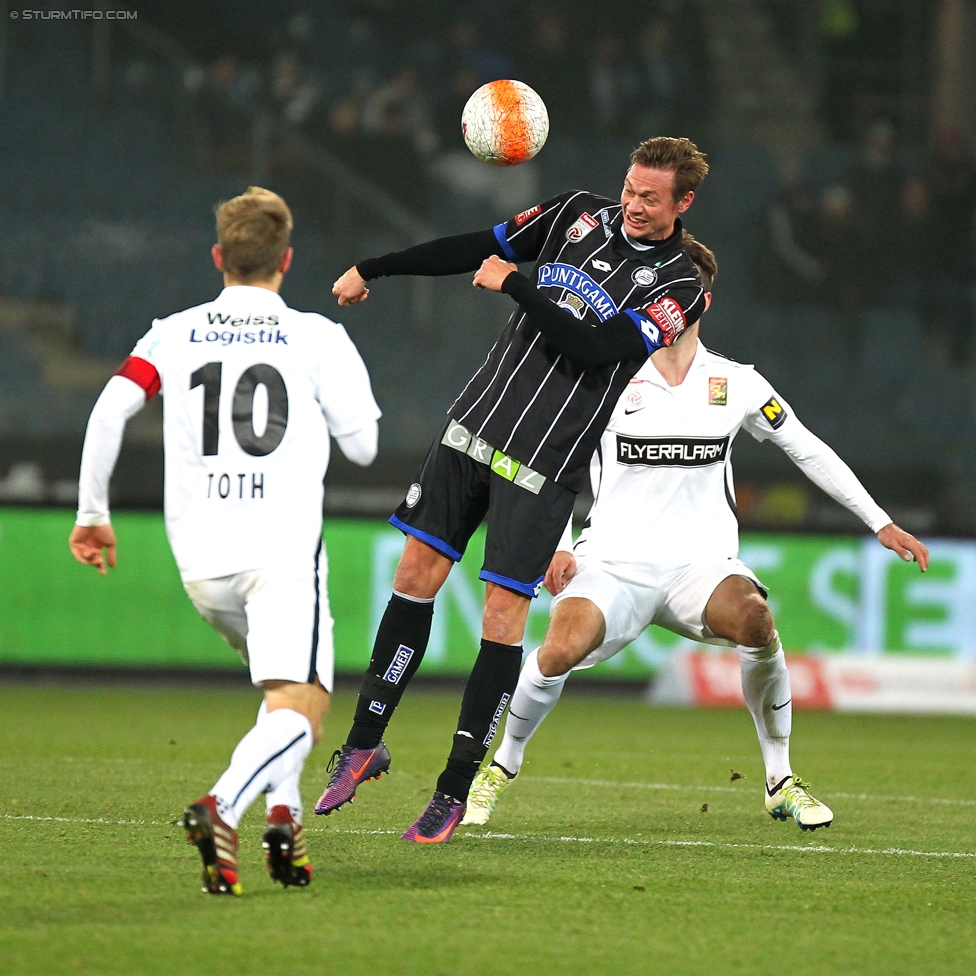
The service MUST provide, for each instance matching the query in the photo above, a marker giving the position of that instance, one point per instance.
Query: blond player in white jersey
(252, 392)
(661, 544)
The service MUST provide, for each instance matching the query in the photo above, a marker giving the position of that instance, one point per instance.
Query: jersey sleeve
(344, 391)
(523, 237)
(770, 417)
(142, 366)
(768, 413)
(663, 316)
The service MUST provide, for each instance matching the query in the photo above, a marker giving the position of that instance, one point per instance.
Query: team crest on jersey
(581, 228)
(579, 283)
(527, 214)
(413, 495)
(645, 277)
(774, 413)
(574, 305)
(718, 391)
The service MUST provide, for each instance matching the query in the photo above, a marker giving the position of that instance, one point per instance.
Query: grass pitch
(602, 858)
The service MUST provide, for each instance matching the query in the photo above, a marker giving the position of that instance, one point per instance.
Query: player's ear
(686, 201)
(708, 301)
(286, 260)
(218, 258)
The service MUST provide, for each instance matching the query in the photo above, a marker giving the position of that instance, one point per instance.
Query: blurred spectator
(554, 67)
(229, 141)
(842, 257)
(240, 84)
(397, 110)
(789, 267)
(669, 81)
(614, 87)
(876, 185)
(947, 308)
(292, 90)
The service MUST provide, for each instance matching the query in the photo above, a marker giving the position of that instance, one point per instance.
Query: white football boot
(485, 790)
(791, 798)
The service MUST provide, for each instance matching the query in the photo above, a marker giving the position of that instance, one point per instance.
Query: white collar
(250, 294)
(632, 242)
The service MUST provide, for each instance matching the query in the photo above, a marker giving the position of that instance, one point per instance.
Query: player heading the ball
(610, 283)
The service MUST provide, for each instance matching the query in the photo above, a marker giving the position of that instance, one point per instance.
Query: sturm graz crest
(644, 276)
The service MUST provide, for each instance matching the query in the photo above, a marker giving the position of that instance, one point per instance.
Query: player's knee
(555, 660)
(499, 624)
(755, 623)
(421, 570)
(557, 657)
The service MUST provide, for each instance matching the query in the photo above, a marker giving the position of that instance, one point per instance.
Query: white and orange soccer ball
(505, 123)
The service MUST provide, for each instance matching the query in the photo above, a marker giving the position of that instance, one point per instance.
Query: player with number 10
(252, 392)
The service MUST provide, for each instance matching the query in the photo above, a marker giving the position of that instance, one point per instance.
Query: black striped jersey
(529, 401)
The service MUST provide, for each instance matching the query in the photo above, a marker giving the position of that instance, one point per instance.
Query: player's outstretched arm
(93, 545)
(443, 256)
(905, 544)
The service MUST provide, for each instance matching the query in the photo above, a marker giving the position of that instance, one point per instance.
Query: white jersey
(662, 475)
(251, 392)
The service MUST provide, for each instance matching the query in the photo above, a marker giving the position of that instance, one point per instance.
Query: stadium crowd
(890, 230)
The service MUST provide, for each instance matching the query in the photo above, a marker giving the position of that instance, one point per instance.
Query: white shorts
(277, 620)
(634, 596)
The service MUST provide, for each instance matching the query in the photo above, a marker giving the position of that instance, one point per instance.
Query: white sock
(766, 688)
(535, 697)
(289, 792)
(274, 750)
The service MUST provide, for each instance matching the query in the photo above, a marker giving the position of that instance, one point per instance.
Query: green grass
(108, 886)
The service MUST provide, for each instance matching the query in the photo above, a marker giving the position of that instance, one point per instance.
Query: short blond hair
(681, 156)
(253, 232)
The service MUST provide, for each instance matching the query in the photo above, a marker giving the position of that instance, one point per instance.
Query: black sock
(401, 641)
(489, 689)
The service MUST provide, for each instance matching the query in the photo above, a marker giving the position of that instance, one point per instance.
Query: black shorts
(462, 480)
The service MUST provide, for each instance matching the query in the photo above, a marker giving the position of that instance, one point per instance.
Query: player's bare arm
(493, 272)
(905, 544)
(350, 288)
(93, 545)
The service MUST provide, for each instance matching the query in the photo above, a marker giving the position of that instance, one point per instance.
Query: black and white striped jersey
(529, 401)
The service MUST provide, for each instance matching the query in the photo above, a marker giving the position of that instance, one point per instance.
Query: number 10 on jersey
(242, 408)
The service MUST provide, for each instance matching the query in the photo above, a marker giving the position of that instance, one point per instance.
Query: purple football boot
(350, 767)
(436, 824)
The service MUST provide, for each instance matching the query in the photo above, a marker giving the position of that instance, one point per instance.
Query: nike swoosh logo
(359, 772)
(629, 412)
(776, 708)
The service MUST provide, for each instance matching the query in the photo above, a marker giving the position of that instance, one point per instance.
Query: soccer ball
(505, 123)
